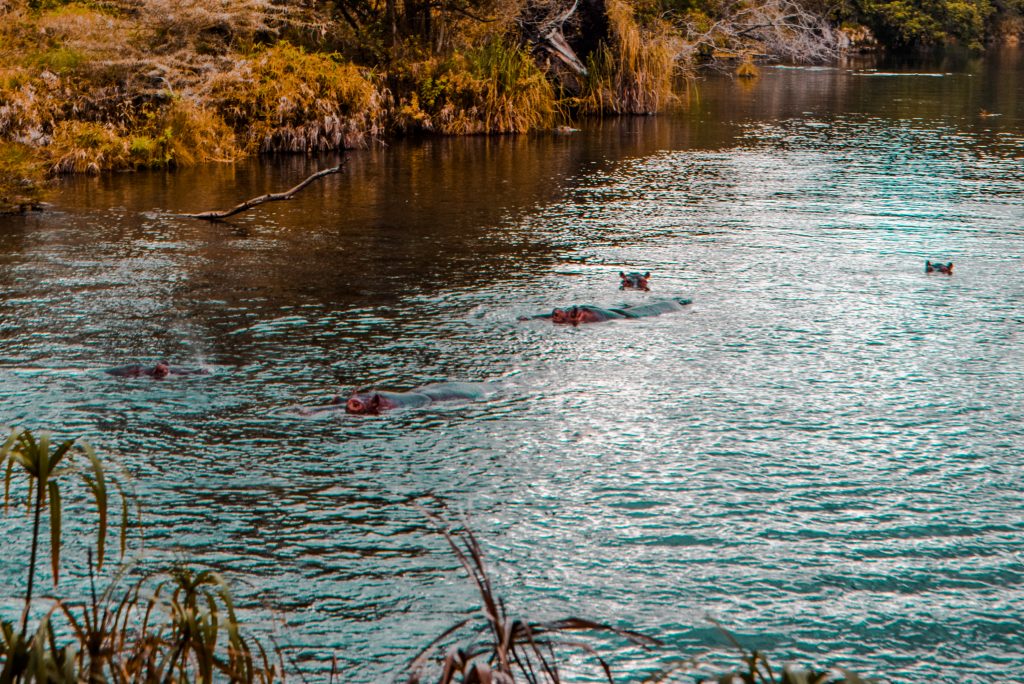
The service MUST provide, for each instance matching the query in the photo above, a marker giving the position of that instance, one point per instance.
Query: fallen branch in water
(269, 197)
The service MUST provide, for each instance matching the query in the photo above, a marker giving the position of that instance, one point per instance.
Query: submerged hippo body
(655, 308)
(634, 281)
(374, 402)
(930, 267)
(158, 372)
(585, 313)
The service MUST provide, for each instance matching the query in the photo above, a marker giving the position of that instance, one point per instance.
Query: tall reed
(632, 72)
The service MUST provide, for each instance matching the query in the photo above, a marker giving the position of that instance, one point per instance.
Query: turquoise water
(824, 453)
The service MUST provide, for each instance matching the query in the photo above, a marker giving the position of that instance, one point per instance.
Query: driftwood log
(269, 197)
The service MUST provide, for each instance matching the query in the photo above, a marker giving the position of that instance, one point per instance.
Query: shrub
(922, 23)
(287, 100)
(87, 147)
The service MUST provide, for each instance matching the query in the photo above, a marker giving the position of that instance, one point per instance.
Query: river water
(824, 453)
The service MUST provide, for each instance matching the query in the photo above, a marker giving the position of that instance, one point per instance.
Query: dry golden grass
(83, 30)
(747, 69)
(188, 134)
(209, 27)
(87, 147)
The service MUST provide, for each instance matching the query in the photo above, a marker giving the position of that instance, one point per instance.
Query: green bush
(923, 23)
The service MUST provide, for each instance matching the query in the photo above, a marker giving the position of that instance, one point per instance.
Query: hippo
(634, 281)
(585, 313)
(158, 372)
(947, 269)
(375, 402)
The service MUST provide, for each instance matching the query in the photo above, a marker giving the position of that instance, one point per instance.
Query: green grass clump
(497, 88)
(181, 134)
(284, 99)
(60, 60)
(21, 178)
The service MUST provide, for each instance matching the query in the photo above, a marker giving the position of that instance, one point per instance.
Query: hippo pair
(158, 372)
(946, 269)
(374, 402)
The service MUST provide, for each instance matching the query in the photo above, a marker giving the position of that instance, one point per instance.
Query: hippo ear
(647, 275)
(622, 275)
(374, 402)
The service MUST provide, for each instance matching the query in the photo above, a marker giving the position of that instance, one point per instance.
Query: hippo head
(929, 267)
(366, 404)
(564, 316)
(161, 370)
(582, 314)
(634, 281)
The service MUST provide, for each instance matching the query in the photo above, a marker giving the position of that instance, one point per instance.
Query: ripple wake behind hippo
(586, 313)
(158, 372)
(375, 402)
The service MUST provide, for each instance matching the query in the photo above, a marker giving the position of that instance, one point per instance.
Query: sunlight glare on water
(823, 452)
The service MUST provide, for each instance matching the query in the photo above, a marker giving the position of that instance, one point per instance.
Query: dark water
(825, 453)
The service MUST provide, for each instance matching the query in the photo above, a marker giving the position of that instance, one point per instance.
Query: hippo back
(595, 314)
(449, 391)
(655, 308)
(131, 371)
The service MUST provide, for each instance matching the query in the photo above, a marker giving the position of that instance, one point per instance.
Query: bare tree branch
(780, 29)
(270, 197)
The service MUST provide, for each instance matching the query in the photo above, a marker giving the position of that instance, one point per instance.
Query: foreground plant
(757, 670)
(501, 648)
(178, 626)
(44, 471)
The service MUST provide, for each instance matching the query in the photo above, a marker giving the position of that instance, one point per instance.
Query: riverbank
(90, 87)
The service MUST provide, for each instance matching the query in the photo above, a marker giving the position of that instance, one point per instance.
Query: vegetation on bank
(105, 85)
(181, 625)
